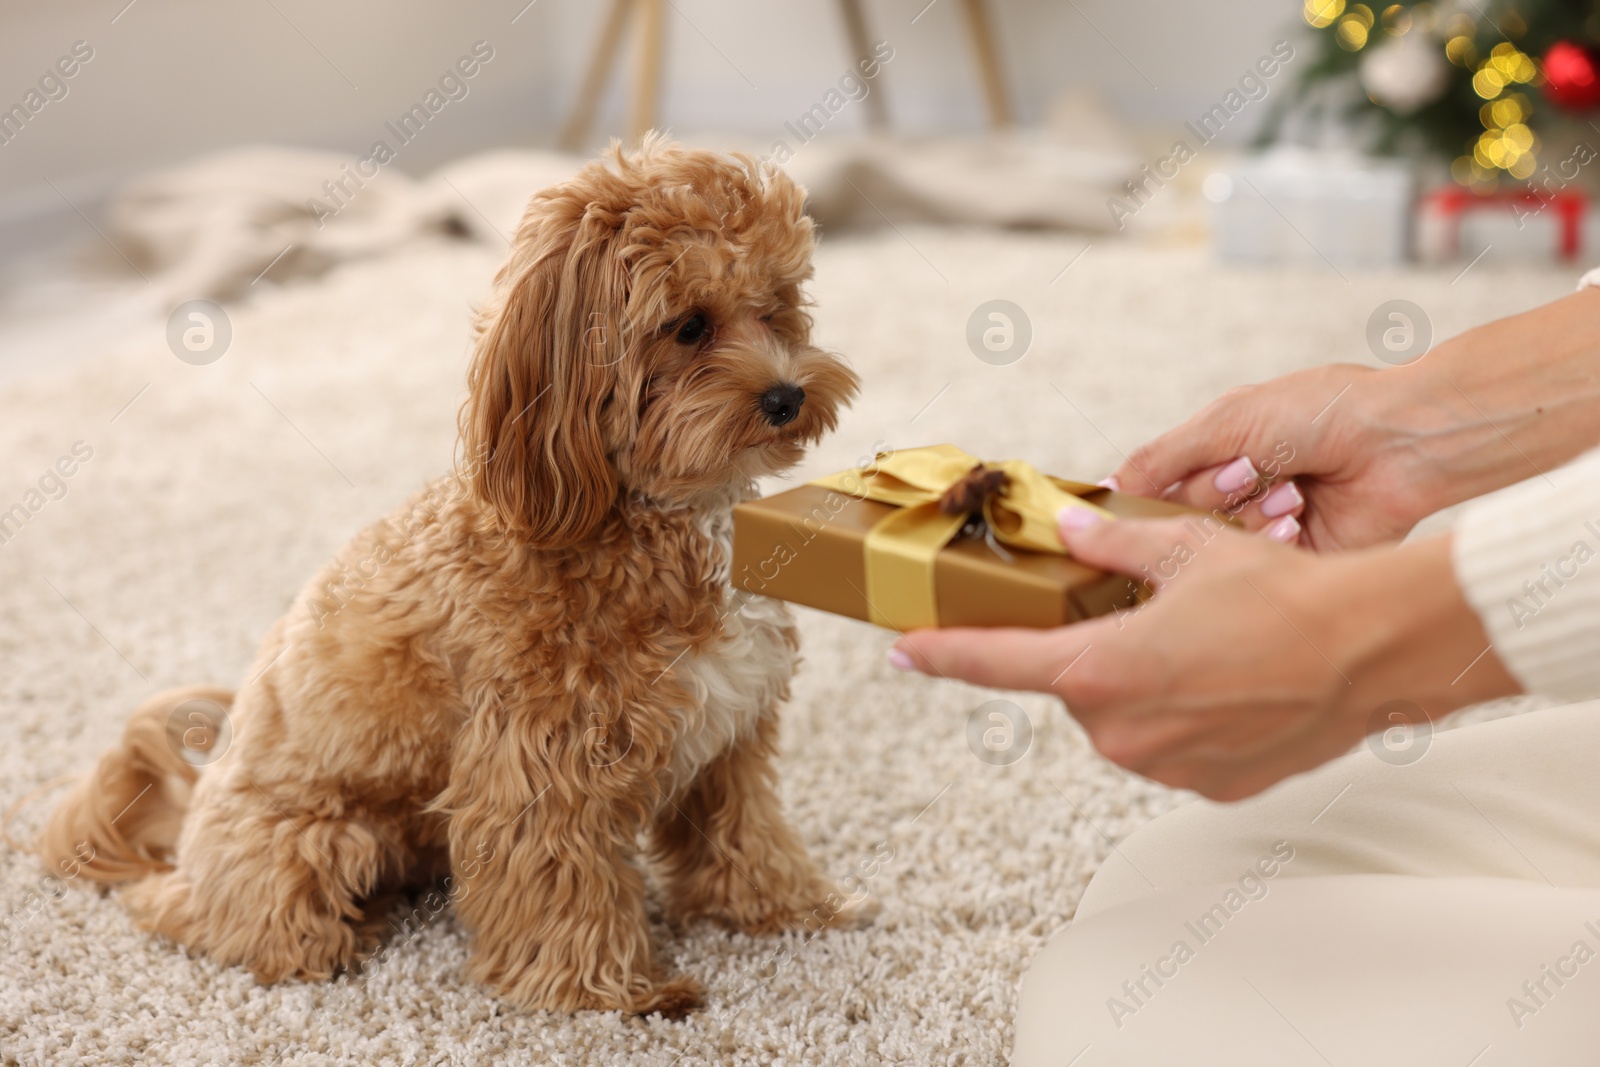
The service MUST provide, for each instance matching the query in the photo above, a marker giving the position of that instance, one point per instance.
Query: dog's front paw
(673, 998)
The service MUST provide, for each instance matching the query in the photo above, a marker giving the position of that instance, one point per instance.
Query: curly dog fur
(536, 664)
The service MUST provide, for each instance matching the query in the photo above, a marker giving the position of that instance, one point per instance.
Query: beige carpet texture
(203, 496)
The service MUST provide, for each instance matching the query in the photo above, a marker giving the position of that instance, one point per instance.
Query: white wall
(172, 78)
(794, 50)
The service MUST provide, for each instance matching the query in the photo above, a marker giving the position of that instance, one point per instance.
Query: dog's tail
(121, 823)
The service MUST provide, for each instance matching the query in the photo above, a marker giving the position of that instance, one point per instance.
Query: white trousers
(1443, 911)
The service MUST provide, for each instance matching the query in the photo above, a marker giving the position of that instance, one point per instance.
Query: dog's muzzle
(781, 404)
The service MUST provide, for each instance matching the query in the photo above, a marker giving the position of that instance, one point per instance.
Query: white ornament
(1405, 73)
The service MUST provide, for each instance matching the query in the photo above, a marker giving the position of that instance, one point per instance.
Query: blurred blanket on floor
(214, 226)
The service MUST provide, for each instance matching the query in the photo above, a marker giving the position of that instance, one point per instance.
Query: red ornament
(1571, 78)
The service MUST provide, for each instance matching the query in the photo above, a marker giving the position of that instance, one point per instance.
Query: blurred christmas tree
(1475, 83)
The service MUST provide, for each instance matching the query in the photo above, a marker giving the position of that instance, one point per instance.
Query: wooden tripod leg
(647, 87)
(855, 25)
(594, 79)
(983, 43)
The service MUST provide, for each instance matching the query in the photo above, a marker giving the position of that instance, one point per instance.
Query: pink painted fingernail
(900, 661)
(1238, 475)
(1285, 529)
(1071, 518)
(1282, 500)
(1111, 484)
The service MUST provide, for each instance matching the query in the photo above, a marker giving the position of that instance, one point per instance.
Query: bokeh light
(1321, 13)
(1354, 28)
(1513, 65)
(1460, 51)
(1488, 82)
(1506, 111)
(1396, 20)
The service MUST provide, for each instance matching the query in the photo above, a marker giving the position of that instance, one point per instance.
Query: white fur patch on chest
(733, 680)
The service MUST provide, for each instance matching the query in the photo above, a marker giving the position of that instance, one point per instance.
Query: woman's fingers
(1227, 486)
(1210, 439)
(1224, 752)
(998, 658)
(1271, 422)
(1144, 735)
(1154, 550)
(1235, 489)
(1225, 777)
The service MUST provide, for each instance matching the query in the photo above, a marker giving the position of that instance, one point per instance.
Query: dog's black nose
(781, 404)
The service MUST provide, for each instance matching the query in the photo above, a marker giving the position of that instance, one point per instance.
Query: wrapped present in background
(1524, 224)
(1294, 205)
(931, 536)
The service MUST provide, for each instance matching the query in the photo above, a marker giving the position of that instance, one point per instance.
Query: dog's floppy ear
(535, 453)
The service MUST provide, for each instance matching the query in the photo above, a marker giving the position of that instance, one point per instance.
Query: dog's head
(647, 335)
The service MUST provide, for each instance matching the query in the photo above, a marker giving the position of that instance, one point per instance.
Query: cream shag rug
(214, 491)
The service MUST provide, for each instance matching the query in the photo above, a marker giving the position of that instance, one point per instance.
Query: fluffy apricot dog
(536, 668)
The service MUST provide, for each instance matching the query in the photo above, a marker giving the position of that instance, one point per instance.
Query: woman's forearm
(1500, 403)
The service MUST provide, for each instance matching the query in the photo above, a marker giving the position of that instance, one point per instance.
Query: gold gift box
(805, 546)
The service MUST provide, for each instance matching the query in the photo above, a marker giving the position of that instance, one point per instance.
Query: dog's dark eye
(694, 329)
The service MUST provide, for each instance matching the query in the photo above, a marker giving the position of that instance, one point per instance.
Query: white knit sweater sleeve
(1528, 560)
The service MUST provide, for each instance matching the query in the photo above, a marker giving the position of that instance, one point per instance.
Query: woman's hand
(1361, 455)
(1252, 662)
(1327, 445)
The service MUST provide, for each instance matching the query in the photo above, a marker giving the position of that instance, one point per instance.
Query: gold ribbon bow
(900, 548)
